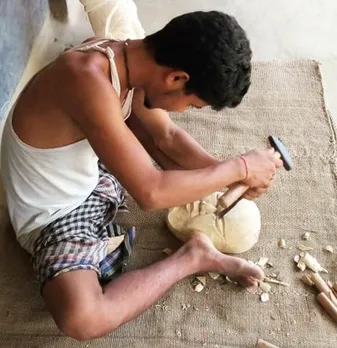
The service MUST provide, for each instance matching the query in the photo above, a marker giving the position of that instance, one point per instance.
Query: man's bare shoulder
(84, 80)
(75, 66)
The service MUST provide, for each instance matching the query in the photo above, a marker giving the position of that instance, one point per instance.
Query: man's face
(168, 93)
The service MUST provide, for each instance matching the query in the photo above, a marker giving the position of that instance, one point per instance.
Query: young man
(68, 150)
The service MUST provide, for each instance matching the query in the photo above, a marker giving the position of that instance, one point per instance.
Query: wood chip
(168, 251)
(306, 236)
(306, 279)
(265, 344)
(304, 247)
(201, 279)
(265, 287)
(264, 297)
(198, 287)
(213, 275)
(329, 248)
(262, 262)
(297, 258)
(282, 244)
(269, 264)
(301, 265)
(274, 281)
(185, 307)
(312, 263)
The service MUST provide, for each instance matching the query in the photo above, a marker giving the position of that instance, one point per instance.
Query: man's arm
(170, 139)
(144, 137)
(99, 116)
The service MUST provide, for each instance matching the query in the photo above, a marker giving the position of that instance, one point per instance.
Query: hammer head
(283, 151)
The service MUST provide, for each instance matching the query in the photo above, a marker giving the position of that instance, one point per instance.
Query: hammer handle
(236, 191)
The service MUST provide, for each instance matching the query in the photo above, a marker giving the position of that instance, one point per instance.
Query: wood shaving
(306, 236)
(269, 264)
(264, 297)
(312, 263)
(185, 307)
(282, 244)
(301, 265)
(198, 287)
(329, 248)
(304, 247)
(306, 279)
(265, 287)
(167, 251)
(264, 344)
(213, 275)
(262, 262)
(178, 333)
(201, 279)
(162, 306)
(274, 281)
(297, 258)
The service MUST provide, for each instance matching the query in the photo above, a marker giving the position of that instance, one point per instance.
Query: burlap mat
(286, 100)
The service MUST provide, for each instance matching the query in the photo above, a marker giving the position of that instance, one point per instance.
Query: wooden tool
(322, 286)
(328, 305)
(230, 198)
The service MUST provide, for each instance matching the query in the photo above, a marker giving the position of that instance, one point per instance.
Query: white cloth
(114, 19)
(45, 184)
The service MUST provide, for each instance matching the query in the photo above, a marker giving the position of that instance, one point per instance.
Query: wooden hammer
(230, 198)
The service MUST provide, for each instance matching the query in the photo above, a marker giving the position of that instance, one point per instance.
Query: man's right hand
(262, 166)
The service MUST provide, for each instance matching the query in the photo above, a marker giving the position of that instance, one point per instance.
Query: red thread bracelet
(246, 166)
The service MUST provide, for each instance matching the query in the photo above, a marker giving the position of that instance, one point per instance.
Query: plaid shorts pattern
(79, 240)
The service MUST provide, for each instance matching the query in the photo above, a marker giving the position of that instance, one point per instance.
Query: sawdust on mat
(285, 100)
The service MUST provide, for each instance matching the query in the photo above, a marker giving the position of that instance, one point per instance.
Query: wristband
(246, 166)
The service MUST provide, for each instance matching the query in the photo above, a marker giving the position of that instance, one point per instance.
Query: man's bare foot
(208, 259)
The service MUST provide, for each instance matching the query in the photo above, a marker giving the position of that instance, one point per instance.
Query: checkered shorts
(80, 240)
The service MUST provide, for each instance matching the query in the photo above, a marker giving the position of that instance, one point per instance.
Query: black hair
(212, 49)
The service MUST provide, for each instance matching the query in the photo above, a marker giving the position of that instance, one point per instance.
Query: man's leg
(84, 310)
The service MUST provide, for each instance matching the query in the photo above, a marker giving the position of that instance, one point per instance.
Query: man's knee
(78, 306)
(83, 325)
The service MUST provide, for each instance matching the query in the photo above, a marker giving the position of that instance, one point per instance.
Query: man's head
(207, 59)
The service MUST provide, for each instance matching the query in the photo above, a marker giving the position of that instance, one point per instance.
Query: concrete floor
(287, 30)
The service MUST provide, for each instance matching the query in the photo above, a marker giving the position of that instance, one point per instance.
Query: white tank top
(45, 184)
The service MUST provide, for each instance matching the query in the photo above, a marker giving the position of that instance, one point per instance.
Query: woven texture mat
(285, 100)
